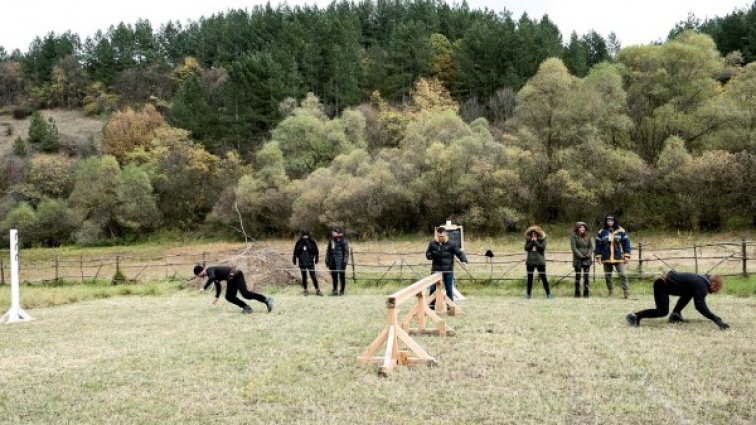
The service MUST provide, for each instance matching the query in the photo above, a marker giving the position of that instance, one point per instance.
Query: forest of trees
(384, 116)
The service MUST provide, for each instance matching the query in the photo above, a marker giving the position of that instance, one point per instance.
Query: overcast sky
(634, 22)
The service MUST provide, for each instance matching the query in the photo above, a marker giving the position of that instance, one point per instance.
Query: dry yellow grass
(72, 125)
(178, 360)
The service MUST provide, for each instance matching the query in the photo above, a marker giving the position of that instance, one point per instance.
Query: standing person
(687, 286)
(535, 245)
(441, 253)
(613, 252)
(306, 253)
(582, 247)
(234, 283)
(337, 257)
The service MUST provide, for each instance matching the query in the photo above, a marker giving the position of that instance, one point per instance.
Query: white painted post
(16, 313)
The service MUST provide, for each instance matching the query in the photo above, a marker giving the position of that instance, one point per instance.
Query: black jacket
(216, 274)
(690, 286)
(305, 253)
(337, 254)
(442, 255)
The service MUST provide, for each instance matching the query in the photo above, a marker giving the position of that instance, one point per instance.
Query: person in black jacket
(687, 286)
(234, 283)
(442, 253)
(306, 253)
(337, 256)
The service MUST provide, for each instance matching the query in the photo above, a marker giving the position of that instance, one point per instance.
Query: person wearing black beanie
(234, 283)
(306, 253)
(337, 257)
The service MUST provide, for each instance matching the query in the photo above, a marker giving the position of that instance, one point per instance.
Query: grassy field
(174, 358)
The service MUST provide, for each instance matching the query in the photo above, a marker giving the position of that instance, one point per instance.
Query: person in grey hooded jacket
(581, 245)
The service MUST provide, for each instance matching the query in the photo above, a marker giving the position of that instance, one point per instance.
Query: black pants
(237, 284)
(586, 279)
(661, 298)
(337, 277)
(312, 276)
(542, 274)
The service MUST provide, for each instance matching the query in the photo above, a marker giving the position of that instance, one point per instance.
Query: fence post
(2, 272)
(81, 266)
(745, 257)
(695, 257)
(351, 256)
(640, 260)
(57, 262)
(203, 258)
(401, 271)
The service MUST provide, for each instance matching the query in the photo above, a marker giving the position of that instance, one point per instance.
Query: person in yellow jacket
(613, 252)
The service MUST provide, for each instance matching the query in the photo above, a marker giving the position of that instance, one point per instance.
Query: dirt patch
(74, 127)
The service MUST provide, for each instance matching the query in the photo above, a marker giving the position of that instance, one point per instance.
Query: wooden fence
(724, 258)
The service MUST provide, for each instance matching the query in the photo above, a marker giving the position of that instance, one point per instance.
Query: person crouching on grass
(234, 283)
(687, 286)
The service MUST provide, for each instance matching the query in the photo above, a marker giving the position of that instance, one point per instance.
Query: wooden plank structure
(393, 333)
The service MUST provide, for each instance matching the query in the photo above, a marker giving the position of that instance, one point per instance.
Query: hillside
(74, 127)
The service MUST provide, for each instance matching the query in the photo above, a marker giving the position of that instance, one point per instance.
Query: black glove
(675, 317)
(722, 325)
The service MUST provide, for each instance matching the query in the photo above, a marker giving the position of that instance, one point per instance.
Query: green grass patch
(178, 359)
(49, 295)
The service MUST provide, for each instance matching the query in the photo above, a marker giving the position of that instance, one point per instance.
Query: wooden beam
(404, 294)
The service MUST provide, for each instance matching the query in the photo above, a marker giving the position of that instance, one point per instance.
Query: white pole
(16, 313)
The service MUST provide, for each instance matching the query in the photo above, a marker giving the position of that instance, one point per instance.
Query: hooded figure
(581, 245)
(337, 257)
(535, 246)
(613, 252)
(306, 254)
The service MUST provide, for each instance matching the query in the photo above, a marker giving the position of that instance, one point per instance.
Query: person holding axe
(234, 283)
(688, 286)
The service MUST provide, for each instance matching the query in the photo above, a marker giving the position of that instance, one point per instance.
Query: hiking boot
(527, 296)
(632, 320)
(626, 294)
(334, 293)
(577, 293)
(675, 317)
(549, 297)
(306, 292)
(246, 310)
(586, 293)
(318, 293)
(341, 292)
(269, 304)
(611, 292)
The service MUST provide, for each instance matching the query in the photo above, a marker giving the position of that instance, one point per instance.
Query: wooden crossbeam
(395, 334)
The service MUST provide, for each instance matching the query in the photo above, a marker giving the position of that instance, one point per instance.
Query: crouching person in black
(687, 286)
(234, 283)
